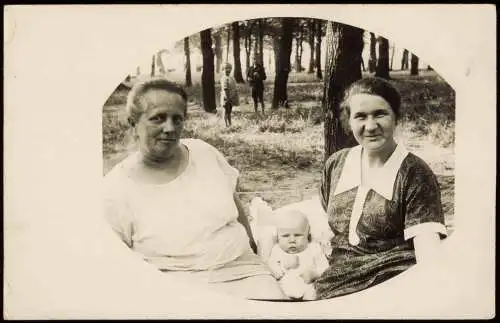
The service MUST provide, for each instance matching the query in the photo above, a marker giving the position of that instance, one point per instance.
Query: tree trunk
(256, 49)
(218, 52)
(414, 65)
(153, 66)
(261, 42)
(382, 69)
(187, 52)
(248, 51)
(207, 74)
(392, 56)
(284, 51)
(297, 58)
(238, 76)
(404, 60)
(319, 27)
(343, 67)
(372, 61)
(248, 45)
(301, 50)
(228, 42)
(159, 63)
(276, 46)
(311, 45)
(298, 48)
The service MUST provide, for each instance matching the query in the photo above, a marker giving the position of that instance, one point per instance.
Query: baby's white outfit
(311, 258)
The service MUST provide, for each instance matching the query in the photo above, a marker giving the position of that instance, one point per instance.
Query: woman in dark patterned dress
(383, 203)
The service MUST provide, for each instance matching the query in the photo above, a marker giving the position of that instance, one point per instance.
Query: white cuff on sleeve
(426, 227)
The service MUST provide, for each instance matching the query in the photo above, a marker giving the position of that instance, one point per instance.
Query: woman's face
(372, 121)
(160, 126)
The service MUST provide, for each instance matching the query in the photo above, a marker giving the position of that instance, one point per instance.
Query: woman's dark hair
(134, 106)
(374, 86)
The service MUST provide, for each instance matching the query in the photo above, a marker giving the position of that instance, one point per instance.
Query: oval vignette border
(365, 18)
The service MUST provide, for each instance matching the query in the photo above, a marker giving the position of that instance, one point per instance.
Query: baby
(295, 260)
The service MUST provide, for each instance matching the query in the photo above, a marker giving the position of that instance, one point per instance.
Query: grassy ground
(279, 155)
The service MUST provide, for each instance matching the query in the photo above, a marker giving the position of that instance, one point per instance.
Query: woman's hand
(253, 245)
(426, 246)
(243, 219)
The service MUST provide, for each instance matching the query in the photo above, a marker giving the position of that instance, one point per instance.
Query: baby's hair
(134, 106)
(284, 216)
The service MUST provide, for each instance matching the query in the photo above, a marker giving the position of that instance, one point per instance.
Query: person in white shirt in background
(229, 93)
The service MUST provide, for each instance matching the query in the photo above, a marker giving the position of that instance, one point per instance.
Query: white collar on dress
(385, 177)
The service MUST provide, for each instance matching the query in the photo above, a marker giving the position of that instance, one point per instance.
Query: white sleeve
(425, 228)
(275, 257)
(229, 171)
(115, 211)
(224, 83)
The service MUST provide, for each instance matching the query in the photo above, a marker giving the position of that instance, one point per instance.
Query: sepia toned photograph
(252, 161)
(281, 159)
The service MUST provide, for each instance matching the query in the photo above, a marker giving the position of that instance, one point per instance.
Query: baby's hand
(276, 271)
(291, 262)
(308, 276)
(277, 274)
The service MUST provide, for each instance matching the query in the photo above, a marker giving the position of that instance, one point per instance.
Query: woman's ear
(344, 116)
(133, 128)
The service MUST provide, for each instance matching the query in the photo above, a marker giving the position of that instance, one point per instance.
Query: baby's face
(293, 238)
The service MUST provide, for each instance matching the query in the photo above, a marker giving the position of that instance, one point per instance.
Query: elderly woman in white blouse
(173, 201)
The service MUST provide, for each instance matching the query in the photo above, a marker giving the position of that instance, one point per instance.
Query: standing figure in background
(256, 76)
(229, 93)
